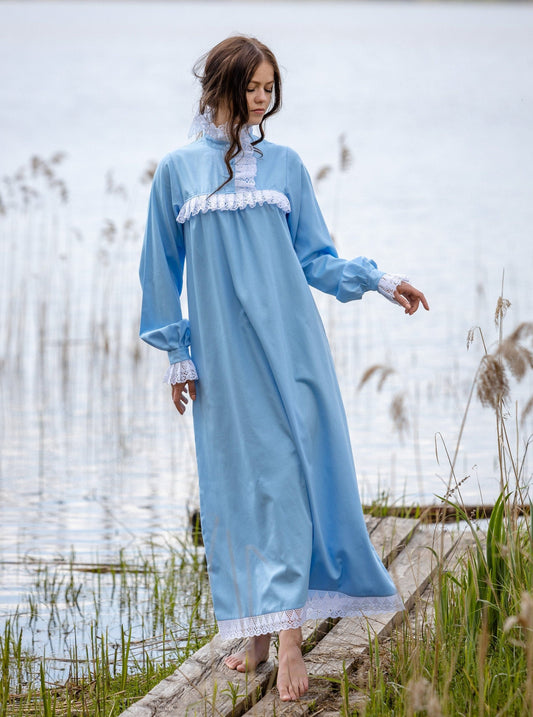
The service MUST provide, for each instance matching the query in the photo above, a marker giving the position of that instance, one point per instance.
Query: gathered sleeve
(161, 273)
(323, 269)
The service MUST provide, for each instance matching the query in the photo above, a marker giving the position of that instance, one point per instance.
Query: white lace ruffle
(231, 202)
(181, 372)
(203, 124)
(387, 286)
(245, 167)
(320, 604)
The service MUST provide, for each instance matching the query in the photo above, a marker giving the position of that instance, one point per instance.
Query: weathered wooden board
(443, 511)
(203, 685)
(411, 570)
(349, 639)
(391, 535)
(425, 608)
(372, 523)
(164, 698)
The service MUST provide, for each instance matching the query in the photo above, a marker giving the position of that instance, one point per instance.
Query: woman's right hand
(179, 394)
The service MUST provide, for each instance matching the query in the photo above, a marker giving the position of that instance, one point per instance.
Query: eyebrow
(256, 82)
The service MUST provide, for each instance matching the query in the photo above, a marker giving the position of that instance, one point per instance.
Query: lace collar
(204, 124)
(245, 167)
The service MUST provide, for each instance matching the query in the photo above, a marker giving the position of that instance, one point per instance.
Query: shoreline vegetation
(130, 621)
(467, 647)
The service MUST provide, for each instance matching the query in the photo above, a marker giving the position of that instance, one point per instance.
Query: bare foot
(255, 652)
(292, 679)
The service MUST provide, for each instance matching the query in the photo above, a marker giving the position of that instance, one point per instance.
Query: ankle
(290, 638)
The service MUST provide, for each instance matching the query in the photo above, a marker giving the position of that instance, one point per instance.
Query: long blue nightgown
(281, 517)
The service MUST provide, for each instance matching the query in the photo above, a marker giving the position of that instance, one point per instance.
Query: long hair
(224, 73)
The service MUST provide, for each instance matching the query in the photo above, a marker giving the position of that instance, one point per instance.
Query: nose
(261, 96)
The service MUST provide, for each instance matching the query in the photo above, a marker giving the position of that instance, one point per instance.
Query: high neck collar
(203, 123)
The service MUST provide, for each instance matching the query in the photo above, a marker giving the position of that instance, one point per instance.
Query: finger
(401, 299)
(191, 385)
(178, 395)
(414, 305)
(415, 293)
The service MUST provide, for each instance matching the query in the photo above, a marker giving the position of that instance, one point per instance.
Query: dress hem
(320, 604)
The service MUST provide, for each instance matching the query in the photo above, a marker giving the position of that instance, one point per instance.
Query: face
(259, 92)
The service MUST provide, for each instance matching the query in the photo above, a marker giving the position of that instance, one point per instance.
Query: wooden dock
(203, 686)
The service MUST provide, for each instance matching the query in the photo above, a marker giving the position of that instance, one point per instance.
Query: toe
(233, 661)
(283, 692)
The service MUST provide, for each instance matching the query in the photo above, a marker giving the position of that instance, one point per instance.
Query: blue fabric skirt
(281, 516)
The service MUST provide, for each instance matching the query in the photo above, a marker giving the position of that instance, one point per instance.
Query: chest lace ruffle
(244, 172)
(231, 202)
(320, 604)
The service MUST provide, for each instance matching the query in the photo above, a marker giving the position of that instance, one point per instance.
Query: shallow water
(435, 101)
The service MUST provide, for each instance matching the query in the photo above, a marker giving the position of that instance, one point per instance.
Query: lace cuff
(181, 372)
(387, 286)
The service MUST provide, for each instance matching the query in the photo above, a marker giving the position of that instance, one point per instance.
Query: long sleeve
(345, 279)
(161, 273)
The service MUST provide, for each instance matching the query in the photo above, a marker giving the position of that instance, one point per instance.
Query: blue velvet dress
(282, 523)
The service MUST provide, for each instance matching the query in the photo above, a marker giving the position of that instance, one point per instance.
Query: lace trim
(320, 604)
(224, 202)
(387, 286)
(245, 167)
(203, 124)
(181, 372)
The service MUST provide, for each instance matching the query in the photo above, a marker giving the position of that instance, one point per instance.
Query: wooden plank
(349, 639)
(191, 672)
(391, 536)
(411, 570)
(425, 608)
(372, 522)
(203, 685)
(443, 512)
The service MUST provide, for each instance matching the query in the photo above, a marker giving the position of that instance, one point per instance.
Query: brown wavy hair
(224, 73)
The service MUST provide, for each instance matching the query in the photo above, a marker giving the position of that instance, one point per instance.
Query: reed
(163, 601)
(468, 647)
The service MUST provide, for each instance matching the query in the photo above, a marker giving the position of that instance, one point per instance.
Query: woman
(281, 518)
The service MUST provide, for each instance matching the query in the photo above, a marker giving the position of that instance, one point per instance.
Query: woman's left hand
(410, 298)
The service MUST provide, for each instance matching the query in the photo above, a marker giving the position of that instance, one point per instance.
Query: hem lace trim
(320, 604)
(231, 202)
(181, 372)
(387, 286)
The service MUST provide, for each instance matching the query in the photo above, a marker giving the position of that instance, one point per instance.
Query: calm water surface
(435, 102)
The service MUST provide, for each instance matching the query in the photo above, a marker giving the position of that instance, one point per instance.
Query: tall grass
(165, 613)
(468, 649)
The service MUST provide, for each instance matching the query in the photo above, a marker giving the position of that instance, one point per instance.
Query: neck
(222, 117)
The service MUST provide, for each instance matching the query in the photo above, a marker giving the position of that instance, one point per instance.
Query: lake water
(435, 102)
